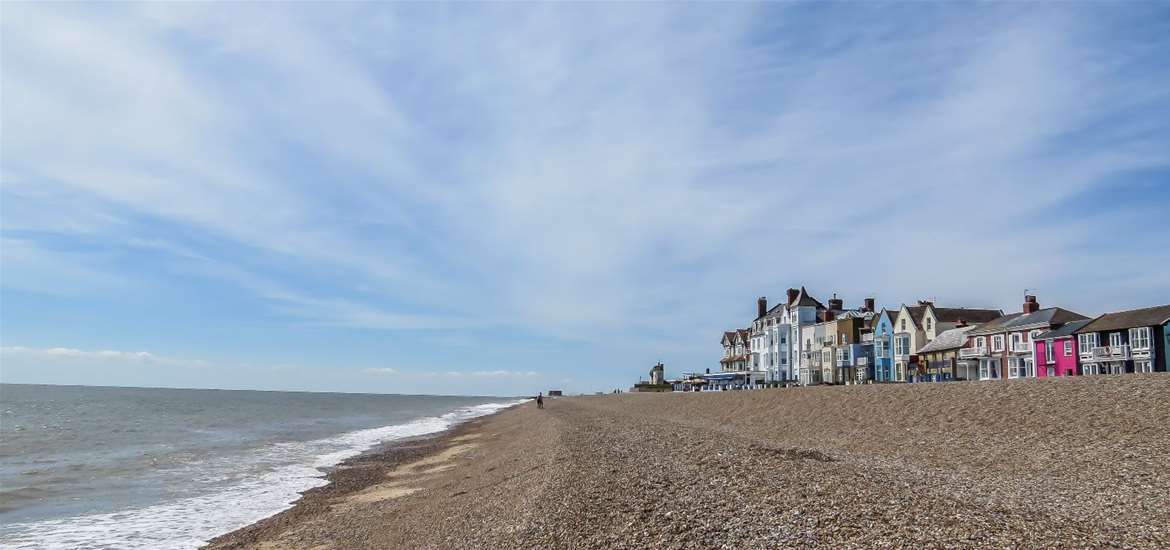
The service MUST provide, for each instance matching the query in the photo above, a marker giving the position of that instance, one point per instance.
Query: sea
(104, 467)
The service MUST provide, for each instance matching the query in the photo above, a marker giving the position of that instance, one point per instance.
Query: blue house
(883, 342)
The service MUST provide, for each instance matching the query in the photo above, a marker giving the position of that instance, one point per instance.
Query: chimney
(1030, 304)
(762, 306)
(792, 294)
(925, 302)
(829, 315)
(962, 323)
(869, 304)
(836, 303)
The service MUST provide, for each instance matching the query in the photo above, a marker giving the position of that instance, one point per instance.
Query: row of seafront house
(803, 341)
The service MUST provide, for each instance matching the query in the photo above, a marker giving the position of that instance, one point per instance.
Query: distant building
(1126, 341)
(940, 357)
(1056, 350)
(1004, 345)
(555, 393)
(883, 345)
(657, 381)
(917, 325)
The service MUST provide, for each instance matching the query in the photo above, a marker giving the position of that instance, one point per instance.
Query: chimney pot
(869, 304)
(762, 306)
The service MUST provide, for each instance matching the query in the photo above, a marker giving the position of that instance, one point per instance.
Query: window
(1015, 341)
(989, 369)
(1143, 366)
(1087, 342)
(1139, 338)
(1032, 335)
(981, 342)
(928, 323)
(1115, 339)
(1050, 351)
(997, 342)
(903, 325)
(1015, 368)
(902, 345)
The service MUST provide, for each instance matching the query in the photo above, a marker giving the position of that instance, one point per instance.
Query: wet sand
(1082, 462)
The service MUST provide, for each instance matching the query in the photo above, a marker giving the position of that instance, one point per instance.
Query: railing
(966, 353)
(1119, 352)
(1021, 347)
(1100, 352)
(867, 337)
(862, 361)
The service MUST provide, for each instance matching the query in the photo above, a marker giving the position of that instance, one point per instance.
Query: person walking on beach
(540, 400)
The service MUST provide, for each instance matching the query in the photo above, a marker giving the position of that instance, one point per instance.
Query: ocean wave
(190, 522)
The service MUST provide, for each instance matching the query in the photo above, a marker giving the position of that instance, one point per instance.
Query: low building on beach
(940, 357)
(657, 381)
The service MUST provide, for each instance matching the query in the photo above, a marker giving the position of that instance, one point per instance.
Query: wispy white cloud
(97, 356)
(380, 370)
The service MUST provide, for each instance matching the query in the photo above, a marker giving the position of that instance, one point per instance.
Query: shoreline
(348, 477)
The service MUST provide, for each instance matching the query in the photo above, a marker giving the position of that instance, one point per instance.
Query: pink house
(1056, 350)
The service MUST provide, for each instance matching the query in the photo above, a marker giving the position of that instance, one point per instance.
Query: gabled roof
(1068, 329)
(803, 299)
(728, 335)
(744, 334)
(994, 325)
(916, 314)
(1145, 317)
(955, 314)
(947, 339)
(1049, 317)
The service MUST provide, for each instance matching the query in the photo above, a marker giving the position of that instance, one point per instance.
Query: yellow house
(917, 325)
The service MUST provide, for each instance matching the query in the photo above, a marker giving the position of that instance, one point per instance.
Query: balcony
(1021, 347)
(862, 361)
(1100, 352)
(1119, 352)
(971, 353)
(867, 337)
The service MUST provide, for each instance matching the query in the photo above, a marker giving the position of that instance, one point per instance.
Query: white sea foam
(191, 522)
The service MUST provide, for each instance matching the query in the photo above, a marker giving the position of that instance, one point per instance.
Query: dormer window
(928, 323)
(903, 325)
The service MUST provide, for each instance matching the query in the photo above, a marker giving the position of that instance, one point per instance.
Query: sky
(504, 199)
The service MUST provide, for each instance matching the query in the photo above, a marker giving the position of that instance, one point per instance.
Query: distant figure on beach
(540, 400)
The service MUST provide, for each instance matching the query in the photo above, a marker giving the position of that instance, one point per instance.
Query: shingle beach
(1077, 462)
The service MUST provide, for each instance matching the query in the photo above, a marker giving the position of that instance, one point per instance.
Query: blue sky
(454, 198)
